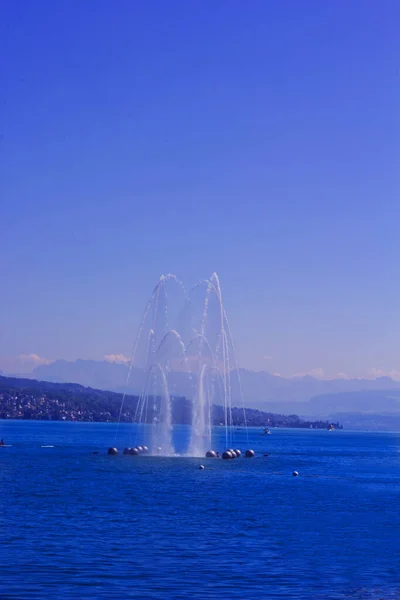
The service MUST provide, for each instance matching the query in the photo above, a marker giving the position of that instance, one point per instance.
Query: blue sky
(259, 140)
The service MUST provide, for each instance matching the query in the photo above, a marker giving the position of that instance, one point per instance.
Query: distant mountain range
(366, 402)
(305, 396)
(41, 400)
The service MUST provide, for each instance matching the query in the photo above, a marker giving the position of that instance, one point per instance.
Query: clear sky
(256, 139)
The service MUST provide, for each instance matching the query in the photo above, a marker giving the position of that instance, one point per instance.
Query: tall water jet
(187, 353)
(201, 425)
(163, 426)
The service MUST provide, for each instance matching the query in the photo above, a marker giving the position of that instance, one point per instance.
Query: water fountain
(185, 335)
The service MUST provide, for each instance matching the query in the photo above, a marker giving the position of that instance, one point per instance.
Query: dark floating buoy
(295, 474)
(226, 455)
(238, 453)
(127, 450)
(112, 451)
(211, 454)
(145, 449)
(201, 467)
(140, 448)
(250, 453)
(133, 451)
(233, 452)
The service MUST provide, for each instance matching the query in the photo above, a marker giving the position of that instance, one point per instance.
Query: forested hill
(31, 399)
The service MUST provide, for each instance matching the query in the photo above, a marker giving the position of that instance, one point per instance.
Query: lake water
(74, 524)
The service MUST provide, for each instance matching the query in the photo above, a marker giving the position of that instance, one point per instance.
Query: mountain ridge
(42, 400)
(260, 388)
(308, 397)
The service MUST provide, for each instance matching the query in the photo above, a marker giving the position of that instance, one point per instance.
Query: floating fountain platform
(227, 455)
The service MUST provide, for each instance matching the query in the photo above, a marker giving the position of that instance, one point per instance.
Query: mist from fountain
(199, 346)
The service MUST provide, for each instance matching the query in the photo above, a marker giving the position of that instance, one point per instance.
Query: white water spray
(199, 355)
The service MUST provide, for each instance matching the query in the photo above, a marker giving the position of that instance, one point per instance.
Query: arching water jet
(195, 360)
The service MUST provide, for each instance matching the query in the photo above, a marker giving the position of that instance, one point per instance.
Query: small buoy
(211, 454)
(140, 448)
(134, 452)
(201, 467)
(145, 449)
(226, 455)
(112, 451)
(295, 474)
(238, 453)
(127, 450)
(159, 449)
(233, 452)
(250, 453)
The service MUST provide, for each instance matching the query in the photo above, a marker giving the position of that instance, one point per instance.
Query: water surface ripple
(80, 525)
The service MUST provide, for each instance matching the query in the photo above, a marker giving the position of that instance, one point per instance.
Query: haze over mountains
(306, 395)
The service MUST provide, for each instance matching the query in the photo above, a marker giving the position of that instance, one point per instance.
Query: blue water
(74, 524)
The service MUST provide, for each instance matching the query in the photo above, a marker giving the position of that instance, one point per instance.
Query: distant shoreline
(257, 427)
(29, 399)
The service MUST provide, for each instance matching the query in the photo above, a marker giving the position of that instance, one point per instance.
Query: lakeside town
(38, 400)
